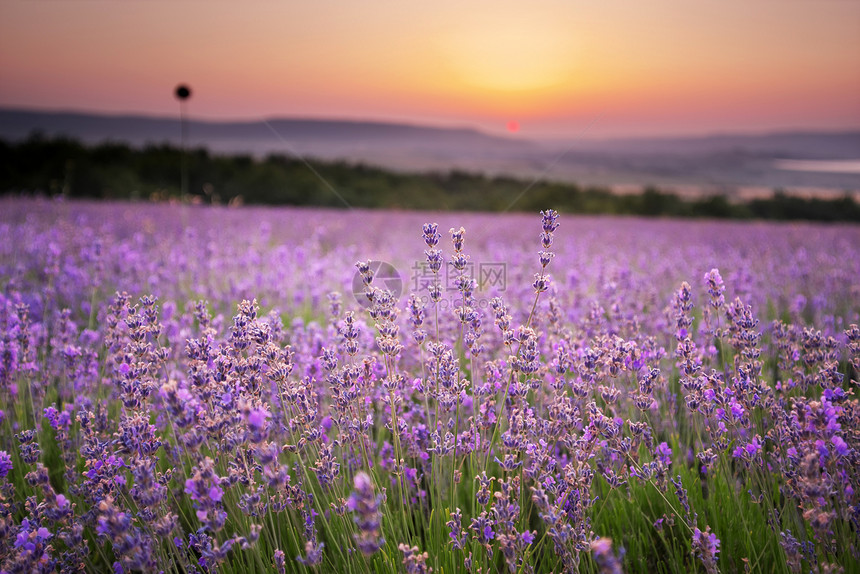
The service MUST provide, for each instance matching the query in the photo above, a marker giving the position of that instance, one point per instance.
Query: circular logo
(385, 276)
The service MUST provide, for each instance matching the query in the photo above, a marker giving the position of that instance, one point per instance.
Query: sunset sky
(565, 68)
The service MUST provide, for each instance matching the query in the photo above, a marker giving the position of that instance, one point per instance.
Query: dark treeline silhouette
(41, 165)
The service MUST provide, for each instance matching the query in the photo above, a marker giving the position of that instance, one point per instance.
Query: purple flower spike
(365, 504)
(840, 446)
(43, 534)
(706, 546)
(5, 463)
(528, 537)
(257, 418)
(607, 561)
(664, 453)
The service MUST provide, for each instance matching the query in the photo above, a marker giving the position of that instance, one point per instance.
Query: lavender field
(190, 389)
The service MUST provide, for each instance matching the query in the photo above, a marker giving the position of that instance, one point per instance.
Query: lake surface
(819, 166)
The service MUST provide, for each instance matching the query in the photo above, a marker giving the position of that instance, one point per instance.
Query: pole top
(182, 92)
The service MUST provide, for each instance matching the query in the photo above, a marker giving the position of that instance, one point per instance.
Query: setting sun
(510, 55)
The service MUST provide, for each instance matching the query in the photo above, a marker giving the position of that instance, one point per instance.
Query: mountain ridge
(20, 116)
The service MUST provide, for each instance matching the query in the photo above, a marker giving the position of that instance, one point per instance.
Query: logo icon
(385, 276)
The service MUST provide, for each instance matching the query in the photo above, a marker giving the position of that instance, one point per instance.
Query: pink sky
(555, 67)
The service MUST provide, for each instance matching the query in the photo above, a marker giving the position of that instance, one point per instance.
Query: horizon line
(412, 123)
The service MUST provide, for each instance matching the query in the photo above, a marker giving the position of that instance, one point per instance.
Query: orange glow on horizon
(661, 68)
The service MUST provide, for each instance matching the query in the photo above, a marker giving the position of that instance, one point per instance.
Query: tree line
(59, 165)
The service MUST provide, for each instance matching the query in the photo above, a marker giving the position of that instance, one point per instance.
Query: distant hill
(324, 136)
(717, 163)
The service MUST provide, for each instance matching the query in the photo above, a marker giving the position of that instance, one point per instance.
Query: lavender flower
(365, 506)
(706, 546)
(413, 561)
(279, 561)
(5, 463)
(607, 561)
(457, 535)
(251, 388)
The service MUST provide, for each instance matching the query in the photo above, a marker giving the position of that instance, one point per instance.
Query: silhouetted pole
(183, 92)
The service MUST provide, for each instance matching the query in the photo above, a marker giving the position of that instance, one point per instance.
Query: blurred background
(467, 104)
